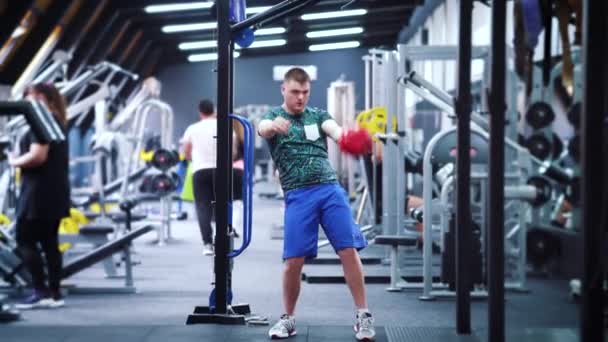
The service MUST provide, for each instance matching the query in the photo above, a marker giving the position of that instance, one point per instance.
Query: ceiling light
(178, 7)
(334, 46)
(337, 32)
(205, 44)
(198, 45)
(336, 14)
(270, 30)
(189, 27)
(203, 57)
(254, 10)
(265, 43)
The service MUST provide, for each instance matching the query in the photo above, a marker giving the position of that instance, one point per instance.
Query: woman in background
(44, 199)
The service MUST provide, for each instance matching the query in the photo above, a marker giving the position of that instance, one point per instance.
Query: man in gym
(297, 136)
(199, 146)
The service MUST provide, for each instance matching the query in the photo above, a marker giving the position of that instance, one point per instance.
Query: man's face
(295, 95)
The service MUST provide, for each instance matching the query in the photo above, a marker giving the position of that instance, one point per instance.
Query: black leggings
(203, 184)
(44, 233)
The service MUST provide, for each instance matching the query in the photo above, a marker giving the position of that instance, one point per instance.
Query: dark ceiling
(122, 32)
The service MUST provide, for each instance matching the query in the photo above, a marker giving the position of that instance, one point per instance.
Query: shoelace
(286, 323)
(366, 323)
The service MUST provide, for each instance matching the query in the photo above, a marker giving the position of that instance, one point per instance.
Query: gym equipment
(417, 214)
(164, 184)
(234, 313)
(574, 115)
(6, 313)
(71, 225)
(341, 103)
(539, 146)
(574, 149)
(104, 251)
(11, 267)
(540, 115)
(558, 147)
(89, 198)
(541, 247)
(137, 132)
(528, 165)
(413, 162)
(38, 117)
(440, 152)
(448, 256)
(355, 142)
(245, 37)
(164, 159)
(373, 121)
(544, 189)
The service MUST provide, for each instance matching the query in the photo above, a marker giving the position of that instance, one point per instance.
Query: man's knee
(349, 253)
(294, 264)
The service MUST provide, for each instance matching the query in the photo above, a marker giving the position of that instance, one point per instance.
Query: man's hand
(280, 125)
(269, 128)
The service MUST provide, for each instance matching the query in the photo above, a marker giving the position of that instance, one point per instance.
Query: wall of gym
(254, 83)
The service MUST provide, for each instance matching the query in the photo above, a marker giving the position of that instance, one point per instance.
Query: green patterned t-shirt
(301, 154)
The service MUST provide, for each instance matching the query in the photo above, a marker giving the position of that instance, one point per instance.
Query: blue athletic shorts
(309, 207)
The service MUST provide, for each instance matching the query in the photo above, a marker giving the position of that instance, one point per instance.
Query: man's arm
(187, 149)
(332, 129)
(186, 143)
(265, 129)
(269, 128)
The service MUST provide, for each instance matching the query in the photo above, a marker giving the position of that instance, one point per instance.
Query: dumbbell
(164, 184)
(164, 159)
(540, 115)
(416, 214)
(160, 183)
(543, 190)
(542, 148)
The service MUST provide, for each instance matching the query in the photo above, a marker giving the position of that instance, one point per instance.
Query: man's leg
(301, 228)
(291, 283)
(353, 274)
(203, 195)
(345, 236)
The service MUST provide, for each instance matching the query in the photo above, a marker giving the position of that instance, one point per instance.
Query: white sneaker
(364, 327)
(284, 328)
(55, 303)
(37, 300)
(208, 249)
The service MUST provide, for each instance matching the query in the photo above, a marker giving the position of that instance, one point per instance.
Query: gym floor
(173, 279)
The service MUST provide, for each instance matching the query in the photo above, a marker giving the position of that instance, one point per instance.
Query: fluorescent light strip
(337, 32)
(203, 44)
(336, 14)
(178, 7)
(203, 57)
(254, 10)
(189, 27)
(265, 43)
(269, 31)
(334, 46)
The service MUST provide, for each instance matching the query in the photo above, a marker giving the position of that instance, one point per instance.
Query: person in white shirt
(200, 146)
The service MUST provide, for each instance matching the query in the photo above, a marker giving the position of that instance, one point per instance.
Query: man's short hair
(206, 107)
(297, 74)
